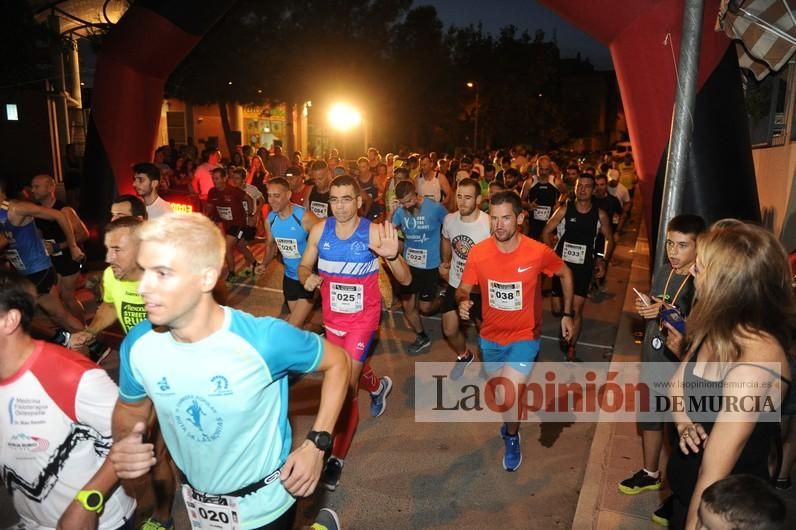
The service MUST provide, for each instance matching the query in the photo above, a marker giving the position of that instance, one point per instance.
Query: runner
(55, 426)
(420, 220)
(146, 179)
(578, 223)
(121, 301)
(432, 184)
(506, 267)
(318, 196)
(25, 249)
(128, 206)
(461, 230)
(43, 192)
(299, 190)
(541, 200)
(225, 205)
(225, 419)
(286, 232)
(254, 218)
(346, 248)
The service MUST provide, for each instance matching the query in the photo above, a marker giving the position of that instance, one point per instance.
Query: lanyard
(666, 287)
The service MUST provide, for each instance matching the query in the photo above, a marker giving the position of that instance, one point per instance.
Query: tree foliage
(395, 60)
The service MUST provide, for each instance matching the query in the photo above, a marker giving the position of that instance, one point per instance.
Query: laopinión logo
(587, 392)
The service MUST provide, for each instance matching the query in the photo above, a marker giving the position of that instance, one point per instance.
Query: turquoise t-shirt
(222, 402)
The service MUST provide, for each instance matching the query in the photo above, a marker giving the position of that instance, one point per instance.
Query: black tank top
(546, 196)
(578, 234)
(682, 470)
(50, 229)
(318, 203)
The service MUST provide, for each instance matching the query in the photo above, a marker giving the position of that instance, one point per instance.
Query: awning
(764, 31)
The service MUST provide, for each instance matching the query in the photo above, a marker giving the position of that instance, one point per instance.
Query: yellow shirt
(123, 294)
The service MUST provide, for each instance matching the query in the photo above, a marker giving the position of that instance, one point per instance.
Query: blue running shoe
(378, 401)
(512, 458)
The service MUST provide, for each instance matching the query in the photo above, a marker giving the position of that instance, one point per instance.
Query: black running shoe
(663, 514)
(639, 482)
(330, 478)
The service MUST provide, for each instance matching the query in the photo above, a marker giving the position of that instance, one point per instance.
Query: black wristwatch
(321, 439)
(571, 315)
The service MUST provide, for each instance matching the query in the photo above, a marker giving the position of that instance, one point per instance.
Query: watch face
(94, 500)
(324, 440)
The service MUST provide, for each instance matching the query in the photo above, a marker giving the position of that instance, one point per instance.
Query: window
(11, 112)
(175, 125)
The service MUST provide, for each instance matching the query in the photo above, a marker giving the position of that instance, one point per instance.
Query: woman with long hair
(736, 369)
(257, 175)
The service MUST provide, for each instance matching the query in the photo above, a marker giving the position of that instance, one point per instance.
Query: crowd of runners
(476, 239)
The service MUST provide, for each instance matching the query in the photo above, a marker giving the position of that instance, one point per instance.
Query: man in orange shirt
(506, 267)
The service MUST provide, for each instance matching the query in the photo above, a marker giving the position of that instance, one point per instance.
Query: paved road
(404, 474)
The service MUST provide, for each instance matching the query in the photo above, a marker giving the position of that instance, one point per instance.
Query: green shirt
(123, 294)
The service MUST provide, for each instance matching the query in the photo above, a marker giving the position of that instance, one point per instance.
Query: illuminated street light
(473, 84)
(344, 117)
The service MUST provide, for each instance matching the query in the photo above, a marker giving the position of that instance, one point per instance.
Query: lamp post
(473, 84)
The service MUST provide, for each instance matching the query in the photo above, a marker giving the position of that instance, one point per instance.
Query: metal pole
(679, 142)
(475, 132)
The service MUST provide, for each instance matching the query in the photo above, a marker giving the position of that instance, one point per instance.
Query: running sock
(346, 428)
(368, 380)
(653, 474)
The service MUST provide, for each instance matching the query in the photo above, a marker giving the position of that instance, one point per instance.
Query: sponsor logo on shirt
(163, 384)
(26, 411)
(220, 386)
(198, 419)
(28, 444)
(462, 244)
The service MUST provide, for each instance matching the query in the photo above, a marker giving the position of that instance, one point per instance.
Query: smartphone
(674, 318)
(643, 297)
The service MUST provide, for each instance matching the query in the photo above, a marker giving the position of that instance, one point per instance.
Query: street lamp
(344, 117)
(473, 84)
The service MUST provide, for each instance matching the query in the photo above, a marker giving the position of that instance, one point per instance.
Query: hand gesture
(464, 309)
(600, 268)
(674, 339)
(302, 470)
(567, 326)
(445, 270)
(649, 311)
(80, 339)
(131, 457)
(77, 254)
(692, 435)
(313, 282)
(386, 244)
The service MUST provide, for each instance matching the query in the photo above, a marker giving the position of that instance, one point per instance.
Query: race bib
(417, 257)
(541, 213)
(224, 212)
(505, 296)
(288, 247)
(211, 512)
(346, 298)
(575, 254)
(16, 260)
(320, 209)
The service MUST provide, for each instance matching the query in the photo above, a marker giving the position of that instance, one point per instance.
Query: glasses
(345, 200)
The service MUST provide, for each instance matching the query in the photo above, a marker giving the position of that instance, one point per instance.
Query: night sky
(525, 14)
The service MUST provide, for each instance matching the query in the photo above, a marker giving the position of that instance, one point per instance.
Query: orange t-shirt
(511, 294)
